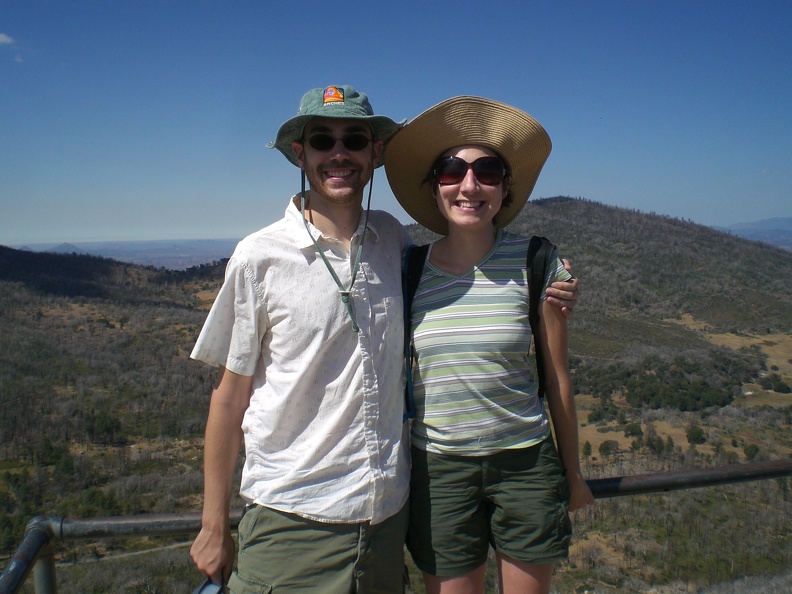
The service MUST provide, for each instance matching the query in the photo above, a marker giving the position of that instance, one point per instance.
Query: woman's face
(472, 202)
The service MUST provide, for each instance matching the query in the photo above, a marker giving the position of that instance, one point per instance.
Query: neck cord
(344, 293)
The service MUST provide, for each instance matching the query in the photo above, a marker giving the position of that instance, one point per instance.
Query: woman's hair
(431, 178)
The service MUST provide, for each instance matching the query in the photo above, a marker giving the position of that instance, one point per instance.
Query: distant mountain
(66, 248)
(170, 254)
(776, 231)
(776, 223)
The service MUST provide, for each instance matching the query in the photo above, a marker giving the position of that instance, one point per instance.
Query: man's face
(339, 174)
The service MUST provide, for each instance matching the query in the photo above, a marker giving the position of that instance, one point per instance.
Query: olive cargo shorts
(515, 500)
(282, 552)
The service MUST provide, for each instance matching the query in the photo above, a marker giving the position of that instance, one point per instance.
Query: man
(307, 332)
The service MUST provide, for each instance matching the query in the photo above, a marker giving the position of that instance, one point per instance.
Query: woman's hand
(579, 493)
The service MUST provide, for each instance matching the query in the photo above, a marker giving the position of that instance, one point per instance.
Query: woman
(485, 467)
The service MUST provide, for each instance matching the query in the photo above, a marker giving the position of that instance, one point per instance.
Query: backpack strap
(412, 265)
(537, 264)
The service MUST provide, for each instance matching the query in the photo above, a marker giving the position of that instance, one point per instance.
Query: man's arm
(213, 550)
(564, 294)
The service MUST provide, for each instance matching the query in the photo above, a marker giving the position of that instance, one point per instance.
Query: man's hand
(564, 294)
(213, 551)
(213, 554)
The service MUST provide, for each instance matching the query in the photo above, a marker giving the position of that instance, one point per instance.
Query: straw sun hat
(517, 137)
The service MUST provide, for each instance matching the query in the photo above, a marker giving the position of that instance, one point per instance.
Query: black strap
(412, 266)
(537, 263)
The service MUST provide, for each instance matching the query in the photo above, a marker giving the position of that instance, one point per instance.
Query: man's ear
(299, 152)
(376, 151)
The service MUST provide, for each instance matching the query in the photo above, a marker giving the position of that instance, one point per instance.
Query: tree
(751, 450)
(633, 430)
(609, 447)
(696, 435)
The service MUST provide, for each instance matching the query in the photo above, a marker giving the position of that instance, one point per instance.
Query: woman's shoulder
(512, 244)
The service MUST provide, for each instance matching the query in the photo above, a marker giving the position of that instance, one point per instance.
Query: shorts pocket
(247, 523)
(549, 464)
(238, 585)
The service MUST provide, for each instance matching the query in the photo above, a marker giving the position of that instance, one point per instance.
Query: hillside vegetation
(680, 352)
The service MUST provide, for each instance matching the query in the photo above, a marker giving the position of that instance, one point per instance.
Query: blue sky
(137, 120)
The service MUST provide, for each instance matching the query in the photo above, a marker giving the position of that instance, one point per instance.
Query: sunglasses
(489, 171)
(352, 142)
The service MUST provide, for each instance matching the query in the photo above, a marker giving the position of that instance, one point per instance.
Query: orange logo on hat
(333, 95)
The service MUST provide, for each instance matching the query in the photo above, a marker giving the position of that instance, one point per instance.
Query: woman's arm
(561, 400)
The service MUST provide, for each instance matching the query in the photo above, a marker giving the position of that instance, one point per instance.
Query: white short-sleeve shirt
(324, 436)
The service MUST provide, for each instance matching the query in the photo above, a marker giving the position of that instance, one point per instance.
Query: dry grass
(777, 348)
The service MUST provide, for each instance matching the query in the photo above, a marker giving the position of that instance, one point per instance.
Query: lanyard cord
(344, 293)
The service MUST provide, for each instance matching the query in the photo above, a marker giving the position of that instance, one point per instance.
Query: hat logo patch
(333, 95)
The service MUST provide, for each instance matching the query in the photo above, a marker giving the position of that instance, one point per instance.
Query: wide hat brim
(516, 136)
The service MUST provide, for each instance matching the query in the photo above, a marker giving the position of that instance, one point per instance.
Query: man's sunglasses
(489, 171)
(352, 142)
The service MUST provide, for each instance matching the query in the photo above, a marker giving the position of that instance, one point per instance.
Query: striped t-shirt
(475, 392)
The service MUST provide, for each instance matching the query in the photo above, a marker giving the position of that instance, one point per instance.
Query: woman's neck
(460, 250)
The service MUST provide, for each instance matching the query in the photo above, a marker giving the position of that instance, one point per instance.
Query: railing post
(38, 539)
(44, 581)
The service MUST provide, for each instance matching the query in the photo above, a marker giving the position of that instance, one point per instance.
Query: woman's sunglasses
(352, 142)
(489, 171)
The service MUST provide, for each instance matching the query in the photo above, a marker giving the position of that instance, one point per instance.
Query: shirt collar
(302, 240)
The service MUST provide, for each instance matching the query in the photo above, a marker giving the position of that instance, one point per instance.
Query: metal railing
(36, 552)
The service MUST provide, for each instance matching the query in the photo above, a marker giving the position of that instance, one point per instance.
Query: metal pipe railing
(638, 484)
(42, 532)
(36, 550)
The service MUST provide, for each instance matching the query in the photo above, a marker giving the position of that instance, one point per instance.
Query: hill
(679, 327)
(638, 266)
(73, 274)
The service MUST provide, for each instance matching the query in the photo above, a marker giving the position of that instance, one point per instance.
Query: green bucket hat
(333, 102)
